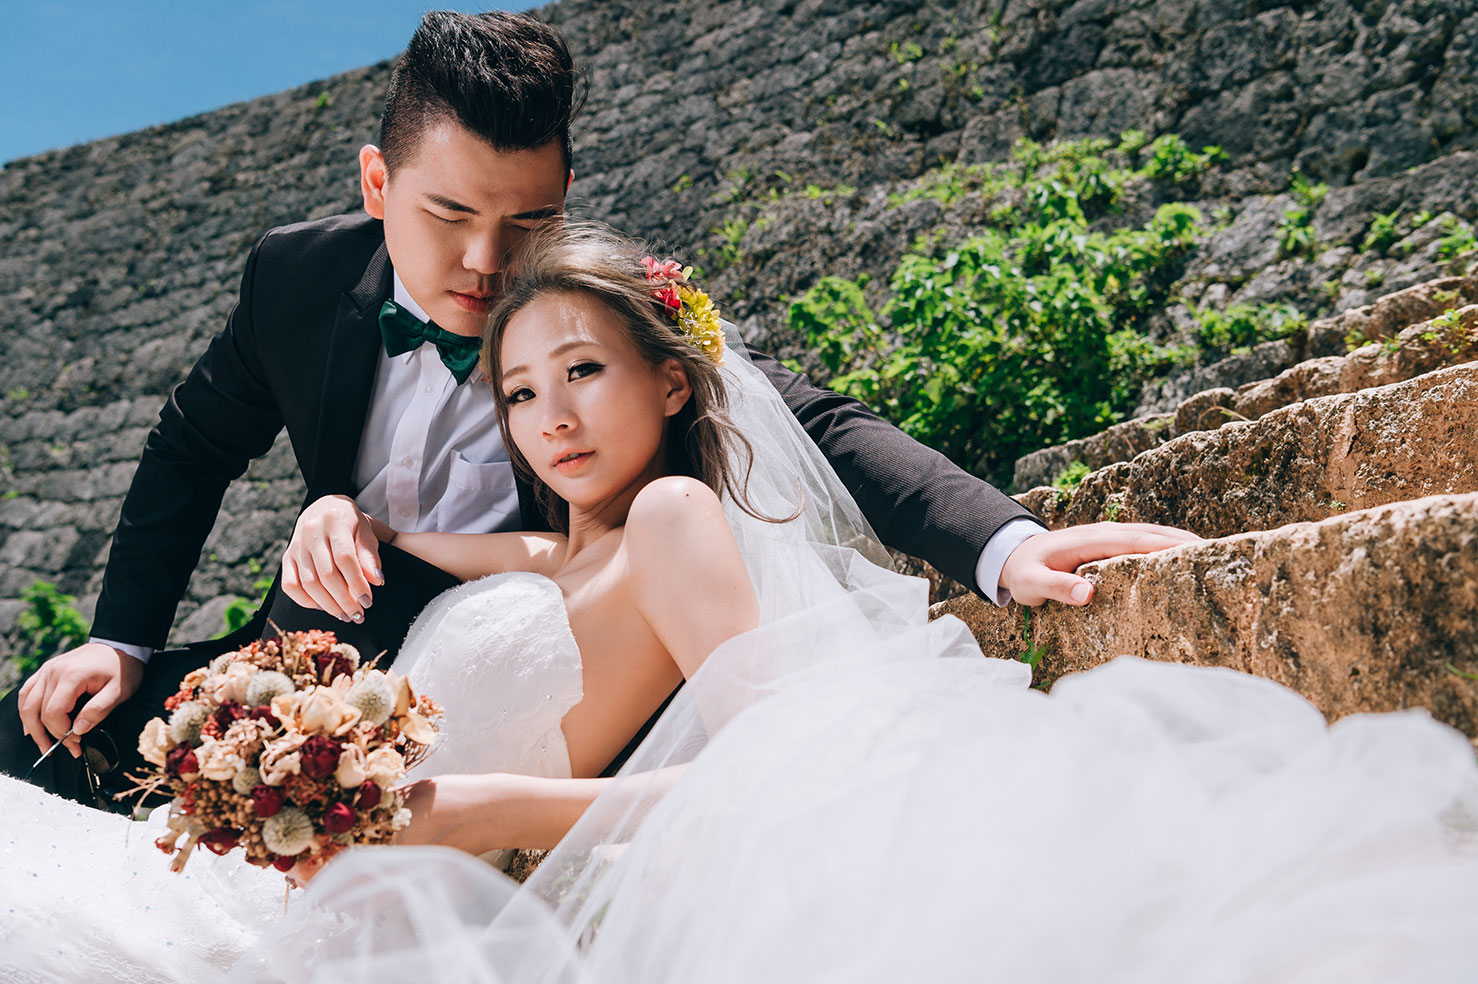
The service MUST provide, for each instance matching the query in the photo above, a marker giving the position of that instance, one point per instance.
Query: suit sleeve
(215, 422)
(917, 500)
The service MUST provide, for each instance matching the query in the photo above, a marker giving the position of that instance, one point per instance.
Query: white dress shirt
(432, 457)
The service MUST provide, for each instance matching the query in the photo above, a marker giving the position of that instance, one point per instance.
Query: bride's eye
(519, 395)
(581, 369)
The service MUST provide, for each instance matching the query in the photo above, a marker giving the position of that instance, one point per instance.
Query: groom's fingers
(1069, 549)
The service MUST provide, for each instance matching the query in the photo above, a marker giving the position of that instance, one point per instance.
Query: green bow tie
(404, 332)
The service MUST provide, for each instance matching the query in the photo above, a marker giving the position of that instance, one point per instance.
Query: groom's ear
(373, 174)
(569, 180)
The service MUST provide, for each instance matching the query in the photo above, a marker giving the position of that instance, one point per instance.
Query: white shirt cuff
(142, 653)
(997, 549)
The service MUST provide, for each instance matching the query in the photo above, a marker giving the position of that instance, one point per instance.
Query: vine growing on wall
(1031, 332)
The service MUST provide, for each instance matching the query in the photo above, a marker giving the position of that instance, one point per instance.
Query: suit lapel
(354, 353)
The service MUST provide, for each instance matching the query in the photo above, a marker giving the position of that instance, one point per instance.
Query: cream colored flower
(155, 742)
(233, 683)
(280, 759)
(417, 728)
(288, 832)
(385, 766)
(218, 760)
(318, 711)
(266, 686)
(351, 772)
(186, 721)
(195, 678)
(374, 696)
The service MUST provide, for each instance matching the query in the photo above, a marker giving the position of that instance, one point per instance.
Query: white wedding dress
(848, 793)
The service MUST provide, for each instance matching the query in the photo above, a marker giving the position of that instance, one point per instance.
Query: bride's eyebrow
(556, 351)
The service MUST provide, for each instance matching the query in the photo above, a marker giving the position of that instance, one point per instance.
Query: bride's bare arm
(466, 556)
(688, 578)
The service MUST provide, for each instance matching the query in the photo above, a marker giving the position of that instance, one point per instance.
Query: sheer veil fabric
(853, 793)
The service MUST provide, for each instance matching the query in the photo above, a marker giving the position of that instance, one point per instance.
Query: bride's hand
(333, 559)
(1042, 567)
(454, 811)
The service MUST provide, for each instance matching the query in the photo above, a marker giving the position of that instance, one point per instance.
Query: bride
(840, 790)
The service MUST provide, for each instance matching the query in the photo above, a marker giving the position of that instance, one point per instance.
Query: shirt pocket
(480, 476)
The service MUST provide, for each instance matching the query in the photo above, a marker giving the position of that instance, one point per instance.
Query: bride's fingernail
(357, 618)
(1081, 592)
(378, 575)
(364, 601)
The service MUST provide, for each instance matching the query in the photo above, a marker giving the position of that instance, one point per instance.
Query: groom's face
(454, 211)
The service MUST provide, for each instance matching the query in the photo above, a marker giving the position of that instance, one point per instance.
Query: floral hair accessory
(691, 308)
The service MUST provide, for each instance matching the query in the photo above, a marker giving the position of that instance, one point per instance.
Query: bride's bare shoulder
(676, 525)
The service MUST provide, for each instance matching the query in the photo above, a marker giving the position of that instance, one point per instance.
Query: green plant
(1382, 232)
(18, 395)
(239, 611)
(1458, 239)
(908, 51)
(1033, 653)
(324, 100)
(1243, 325)
(50, 625)
(1031, 332)
(1171, 158)
(1296, 235)
(1071, 477)
(1374, 278)
(682, 184)
(1421, 218)
(732, 234)
(1111, 510)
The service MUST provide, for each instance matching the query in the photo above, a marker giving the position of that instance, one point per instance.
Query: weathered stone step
(1370, 611)
(1403, 342)
(1304, 462)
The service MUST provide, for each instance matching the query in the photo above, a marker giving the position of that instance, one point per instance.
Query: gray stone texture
(122, 257)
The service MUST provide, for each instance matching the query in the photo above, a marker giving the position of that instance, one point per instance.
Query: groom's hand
(1042, 567)
(47, 699)
(333, 559)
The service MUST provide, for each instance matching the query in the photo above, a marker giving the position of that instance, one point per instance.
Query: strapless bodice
(499, 656)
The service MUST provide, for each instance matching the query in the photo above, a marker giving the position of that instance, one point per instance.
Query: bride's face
(586, 410)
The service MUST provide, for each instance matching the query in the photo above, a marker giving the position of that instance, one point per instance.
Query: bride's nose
(559, 417)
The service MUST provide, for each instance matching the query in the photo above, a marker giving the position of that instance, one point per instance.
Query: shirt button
(408, 461)
(404, 510)
(430, 389)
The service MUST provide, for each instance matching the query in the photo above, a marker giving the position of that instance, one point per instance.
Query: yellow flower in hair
(699, 321)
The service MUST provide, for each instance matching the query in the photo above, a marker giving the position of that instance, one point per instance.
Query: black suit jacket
(300, 350)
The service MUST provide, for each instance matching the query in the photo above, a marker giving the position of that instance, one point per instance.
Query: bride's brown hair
(588, 258)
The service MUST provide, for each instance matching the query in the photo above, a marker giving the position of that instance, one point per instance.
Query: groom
(354, 333)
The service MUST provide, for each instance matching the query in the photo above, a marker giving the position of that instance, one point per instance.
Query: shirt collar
(405, 300)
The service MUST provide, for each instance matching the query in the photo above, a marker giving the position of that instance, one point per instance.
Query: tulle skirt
(935, 819)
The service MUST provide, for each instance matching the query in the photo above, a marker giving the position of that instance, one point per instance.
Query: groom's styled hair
(506, 77)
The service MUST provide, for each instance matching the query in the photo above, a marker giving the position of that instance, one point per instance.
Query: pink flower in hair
(663, 269)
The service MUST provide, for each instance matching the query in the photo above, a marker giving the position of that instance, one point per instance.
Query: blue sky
(77, 70)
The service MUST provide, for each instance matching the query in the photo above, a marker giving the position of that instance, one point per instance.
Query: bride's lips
(475, 303)
(572, 460)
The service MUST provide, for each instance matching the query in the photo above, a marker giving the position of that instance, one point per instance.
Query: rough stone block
(1370, 611)
(1304, 462)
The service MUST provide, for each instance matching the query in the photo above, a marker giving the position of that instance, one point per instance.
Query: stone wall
(122, 256)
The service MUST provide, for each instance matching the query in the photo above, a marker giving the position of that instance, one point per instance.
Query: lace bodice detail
(498, 655)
